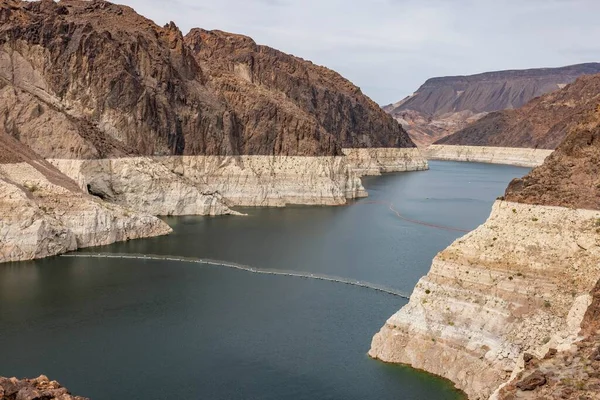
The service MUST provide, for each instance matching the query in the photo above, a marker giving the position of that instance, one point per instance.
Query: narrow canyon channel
(114, 328)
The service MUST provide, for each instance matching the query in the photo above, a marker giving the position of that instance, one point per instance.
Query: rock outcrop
(511, 310)
(443, 106)
(523, 157)
(109, 96)
(34, 389)
(542, 123)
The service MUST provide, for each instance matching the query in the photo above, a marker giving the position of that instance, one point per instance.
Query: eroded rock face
(570, 177)
(281, 99)
(34, 389)
(443, 106)
(144, 185)
(375, 161)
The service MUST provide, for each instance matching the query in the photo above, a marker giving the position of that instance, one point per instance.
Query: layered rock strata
(523, 157)
(519, 283)
(375, 161)
(144, 185)
(43, 212)
(178, 185)
(34, 389)
(40, 218)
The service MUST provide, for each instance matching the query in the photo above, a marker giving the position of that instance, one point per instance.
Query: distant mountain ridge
(444, 105)
(542, 123)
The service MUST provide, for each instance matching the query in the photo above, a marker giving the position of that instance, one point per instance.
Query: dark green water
(112, 329)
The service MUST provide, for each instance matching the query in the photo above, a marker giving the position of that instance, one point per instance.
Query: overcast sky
(390, 47)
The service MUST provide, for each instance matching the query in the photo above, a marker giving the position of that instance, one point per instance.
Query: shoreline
(516, 156)
(124, 193)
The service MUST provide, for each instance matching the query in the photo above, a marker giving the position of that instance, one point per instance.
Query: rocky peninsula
(511, 309)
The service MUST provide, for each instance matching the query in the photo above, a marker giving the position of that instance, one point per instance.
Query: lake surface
(111, 329)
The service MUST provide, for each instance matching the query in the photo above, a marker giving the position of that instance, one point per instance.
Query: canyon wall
(519, 283)
(208, 185)
(145, 118)
(523, 157)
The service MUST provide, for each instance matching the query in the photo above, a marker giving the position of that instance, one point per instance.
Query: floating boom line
(246, 268)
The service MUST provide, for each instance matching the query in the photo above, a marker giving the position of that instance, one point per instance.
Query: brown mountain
(268, 89)
(90, 79)
(445, 105)
(542, 123)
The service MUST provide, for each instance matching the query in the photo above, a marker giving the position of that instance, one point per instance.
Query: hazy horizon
(390, 47)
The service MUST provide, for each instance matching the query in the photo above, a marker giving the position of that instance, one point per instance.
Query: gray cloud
(390, 47)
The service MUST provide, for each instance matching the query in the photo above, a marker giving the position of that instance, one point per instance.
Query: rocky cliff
(541, 123)
(108, 97)
(510, 310)
(443, 106)
(34, 389)
(282, 99)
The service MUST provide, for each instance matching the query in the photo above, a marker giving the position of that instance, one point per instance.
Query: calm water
(158, 329)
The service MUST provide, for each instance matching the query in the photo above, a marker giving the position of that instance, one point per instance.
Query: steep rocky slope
(257, 81)
(542, 123)
(92, 81)
(443, 106)
(34, 389)
(510, 311)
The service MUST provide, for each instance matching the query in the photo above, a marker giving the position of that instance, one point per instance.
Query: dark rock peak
(121, 85)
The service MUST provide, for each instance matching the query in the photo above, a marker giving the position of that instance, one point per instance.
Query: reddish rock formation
(443, 106)
(570, 177)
